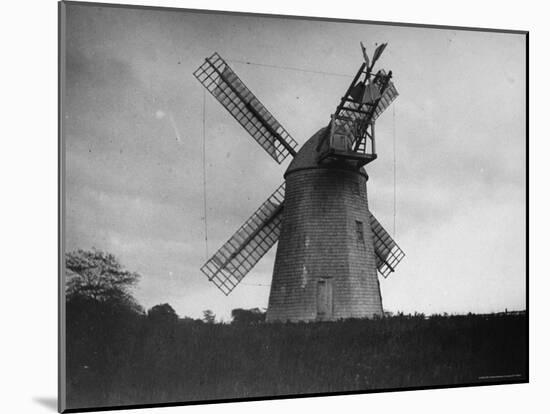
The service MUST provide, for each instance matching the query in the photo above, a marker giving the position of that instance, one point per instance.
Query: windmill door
(324, 299)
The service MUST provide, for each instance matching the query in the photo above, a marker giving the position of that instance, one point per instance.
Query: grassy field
(129, 359)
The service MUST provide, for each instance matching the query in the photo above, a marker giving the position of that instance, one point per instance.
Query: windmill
(330, 245)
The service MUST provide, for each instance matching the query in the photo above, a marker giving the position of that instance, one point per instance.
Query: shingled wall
(320, 241)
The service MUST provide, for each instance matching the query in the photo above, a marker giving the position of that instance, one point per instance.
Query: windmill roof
(307, 156)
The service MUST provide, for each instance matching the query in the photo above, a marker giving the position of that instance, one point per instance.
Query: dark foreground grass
(138, 361)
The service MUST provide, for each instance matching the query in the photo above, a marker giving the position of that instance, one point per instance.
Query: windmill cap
(306, 158)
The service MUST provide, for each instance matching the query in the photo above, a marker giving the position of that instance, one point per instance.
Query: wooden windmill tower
(330, 245)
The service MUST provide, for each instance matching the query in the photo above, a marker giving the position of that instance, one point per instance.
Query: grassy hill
(129, 359)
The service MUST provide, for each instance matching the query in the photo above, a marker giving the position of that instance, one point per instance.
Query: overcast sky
(133, 123)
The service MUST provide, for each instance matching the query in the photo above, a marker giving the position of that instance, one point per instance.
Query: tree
(103, 320)
(98, 277)
(208, 316)
(163, 313)
(248, 316)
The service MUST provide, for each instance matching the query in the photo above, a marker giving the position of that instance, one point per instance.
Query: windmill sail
(358, 111)
(388, 253)
(224, 84)
(389, 95)
(351, 134)
(230, 264)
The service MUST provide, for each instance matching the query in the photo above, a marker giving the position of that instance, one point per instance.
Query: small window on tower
(359, 230)
(355, 188)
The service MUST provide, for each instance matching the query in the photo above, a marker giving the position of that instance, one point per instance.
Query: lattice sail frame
(388, 253)
(224, 84)
(230, 264)
(352, 118)
(387, 98)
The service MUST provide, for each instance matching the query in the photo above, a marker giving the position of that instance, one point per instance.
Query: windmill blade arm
(231, 263)
(224, 84)
(362, 104)
(388, 96)
(377, 99)
(388, 253)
